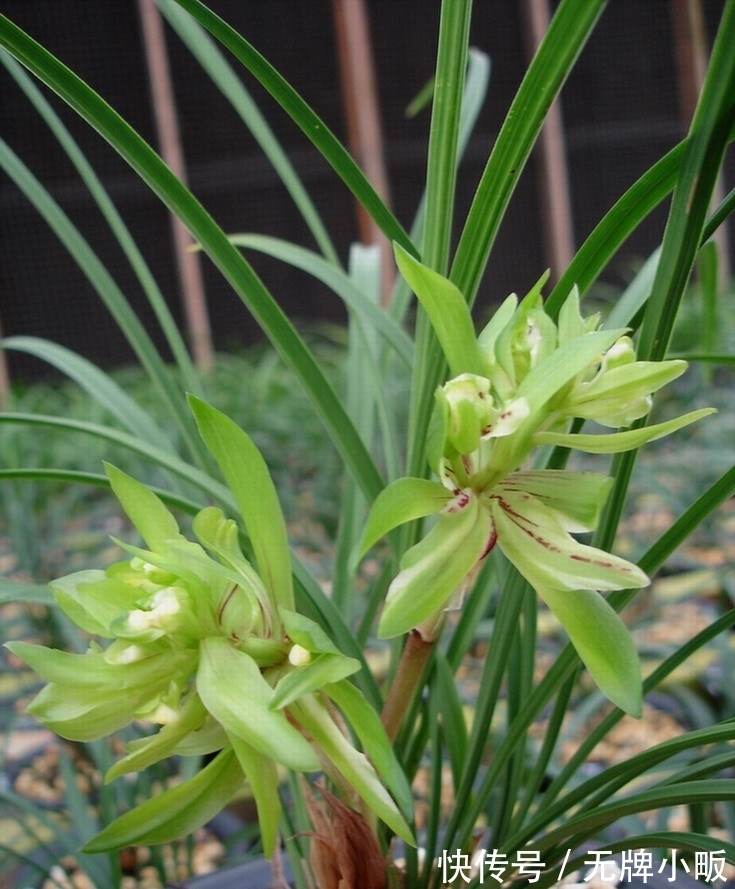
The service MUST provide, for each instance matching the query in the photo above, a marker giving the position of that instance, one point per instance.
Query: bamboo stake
(556, 209)
(164, 108)
(364, 131)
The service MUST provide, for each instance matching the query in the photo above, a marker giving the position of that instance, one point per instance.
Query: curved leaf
(96, 382)
(164, 459)
(313, 127)
(230, 262)
(339, 282)
(231, 87)
(568, 32)
(176, 812)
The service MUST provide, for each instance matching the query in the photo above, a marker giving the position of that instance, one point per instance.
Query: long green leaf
(159, 457)
(681, 841)
(589, 824)
(106, 287)
(226, 257)
(115, 221)
(47, 833)
(98, 480)
(436, 214)
(475, 91)
(94, 381)
(336, 280)
(568, 32)
(596, 790)
(708, 137)
(441, 172)
(313, 127)
(231, 87)
(16, 591)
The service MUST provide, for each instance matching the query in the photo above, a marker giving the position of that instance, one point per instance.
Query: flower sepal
(433, 569)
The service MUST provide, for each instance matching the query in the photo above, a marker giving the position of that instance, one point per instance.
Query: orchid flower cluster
(515, 388)
(189, 637)
(207, 645)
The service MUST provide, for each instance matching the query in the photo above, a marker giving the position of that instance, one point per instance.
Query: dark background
(622, 110)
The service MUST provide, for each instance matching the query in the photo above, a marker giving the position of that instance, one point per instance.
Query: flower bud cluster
(193, 641)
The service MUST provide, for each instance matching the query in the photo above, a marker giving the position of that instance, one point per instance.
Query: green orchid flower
(207, 648)
(515, 387)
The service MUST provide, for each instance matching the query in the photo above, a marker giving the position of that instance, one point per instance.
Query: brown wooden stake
(556, 209)
(362, 115)
(167, 127)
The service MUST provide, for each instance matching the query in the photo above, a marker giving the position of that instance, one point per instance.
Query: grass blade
(570, 27)
(312, 126)
(96, 382)
(108, 290)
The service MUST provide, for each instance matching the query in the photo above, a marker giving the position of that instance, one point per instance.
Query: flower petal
(434, 568)
(447, 310)
(248, 478)
(603, 643)
(93, 599)
(575, 498)
(176, 812)
(351, 764)
(143, 752)
(261, 774)
(146, 511)
(234, 691)
(322, 670)
(617, 442)
(402, 501)
(534, 541)
(620, 395)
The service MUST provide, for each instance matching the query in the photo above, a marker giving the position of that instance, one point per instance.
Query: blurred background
(629, 100)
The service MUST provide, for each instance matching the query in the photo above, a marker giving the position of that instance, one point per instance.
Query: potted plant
(214, 634)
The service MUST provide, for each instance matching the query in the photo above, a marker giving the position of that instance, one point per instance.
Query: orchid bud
(469, 410)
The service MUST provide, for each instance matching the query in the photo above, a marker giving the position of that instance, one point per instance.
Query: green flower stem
(415, 656)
